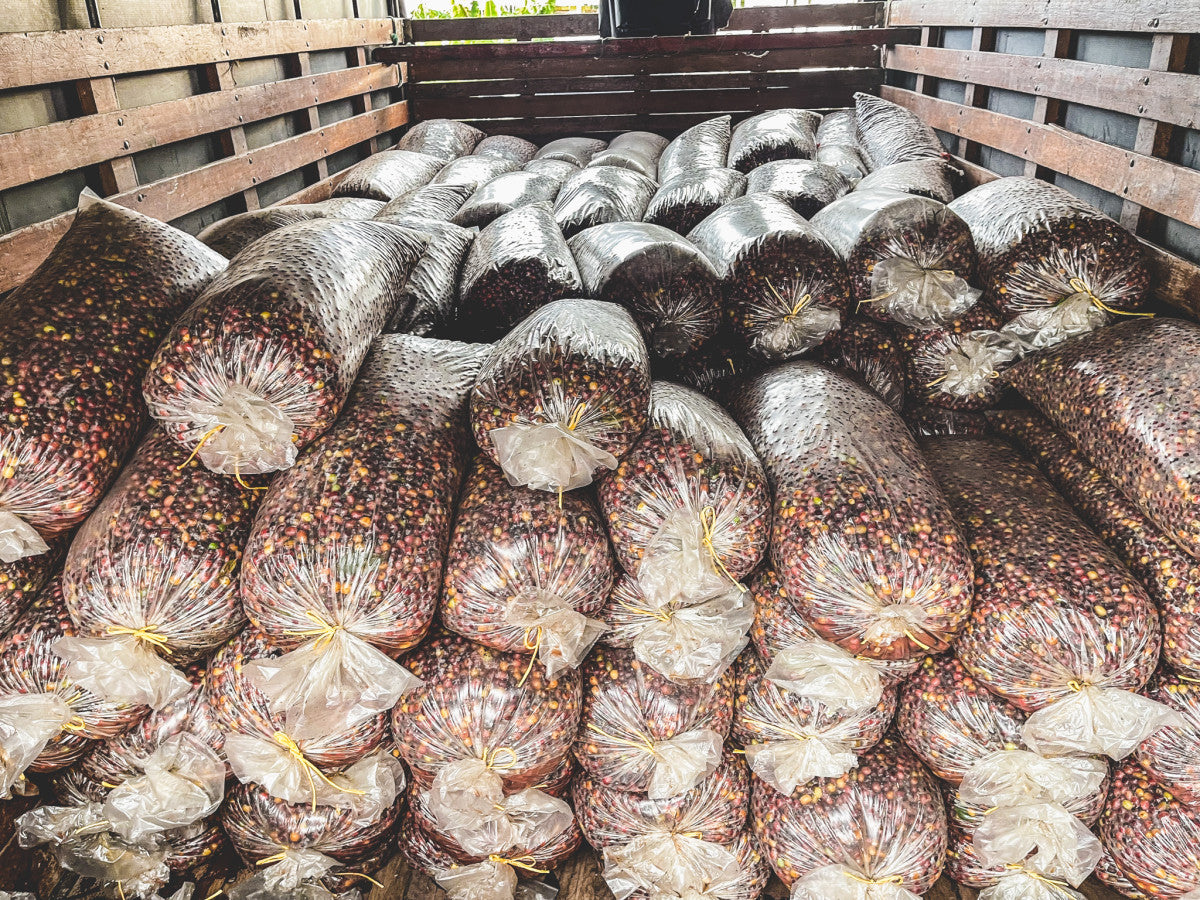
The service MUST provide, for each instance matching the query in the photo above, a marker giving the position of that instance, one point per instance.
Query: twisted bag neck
(18, 539)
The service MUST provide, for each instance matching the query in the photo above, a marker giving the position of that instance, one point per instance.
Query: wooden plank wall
(1141, 172)
(551, 75)
(103, 140)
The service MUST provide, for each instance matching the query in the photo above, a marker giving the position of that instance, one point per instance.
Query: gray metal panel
(268, 131)
(195, 222)
(177, 158)
(155, 87)
(278, 188)
(1114, 49)
(1020, 41)
(327, 60)
(905, 80)
(954, 91)
(335, 111)
(1185, 147)
(30, 203)
(344, 159)
(1000, 162)
(1010, 103)
(1113, 128)
(957, 38)
(1109, 204)
(949, 141)
(1177, 237)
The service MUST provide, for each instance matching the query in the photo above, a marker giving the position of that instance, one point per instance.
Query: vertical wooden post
(983, 40)
(1047, 109)
(926, 38)
(301, 67)
(1168, 53)
(233, 140)
(362, 102)
(99, 95)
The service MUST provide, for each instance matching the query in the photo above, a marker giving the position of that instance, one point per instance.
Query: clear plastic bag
(662, 867)
(769, 136)
(869, 352)
(641, 732)
(877, 832)
(64, 436)
(845, 158)
(291, 845)
(703, 146)
(564, 394)
(924, 177)
(1171, 576)
(686, 640)
(1172, 754)
(1066, 643)
(808, 716)
(444, 138)
(687, 507)
(804, 184)
(257, 743)
(474, 171)
(507, 146)
(1152, 836)
(891, 134)
(838, 127)
(261, 363)
(690, 197)
(385, 176)
(151, 580)
(909, 258)
(1054, 266)
(670, 286)
(46, 720)
(600, 194)
(1140, 435)
(487, 706)
(862, 537)
(780, 628)
(231, 235)
(630, 157)
(431, 201)
(1111, 876)
(575, 150)
(1042, 854)
(785, 289)
(518, 263)
(958, 364)
(346, 589)
(428, 300)
(505, 193)
(492, 876)
(23, 579)
(714, 811)
(526, 571)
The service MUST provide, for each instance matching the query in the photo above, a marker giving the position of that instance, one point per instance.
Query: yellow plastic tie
(148, 633)
(525, 863)
(215, 430)
(363, 875)
(782, 729)
(74, 724)
(278, 857)
(325, 631)
(643, 744)
(641, 611)
(492, 764)
(912, 637)
(575, 417)
(863, 879)
(309, 768)
(1038, 876)
(1079, 286)
(537, 643)
(708, 521)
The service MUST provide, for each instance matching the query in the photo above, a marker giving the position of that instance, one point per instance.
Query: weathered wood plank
(1165, 187)
(814, 15)
(1165, 96)
(22, 250)
(427, 90)
(766, 61)
(46, 150)
(655, 47)
(1127, 15)
(47, 57)
(806, 89)
(96, 96)
(520, 28)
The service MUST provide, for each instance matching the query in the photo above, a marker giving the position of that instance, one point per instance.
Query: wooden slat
(766, 61)
(1126, 15)
(96, 96)
(654, 47)
(974, 94)
(47, 57)
(303, 67)
(813, 15)
(521, 28)
(233, 139)
(181, 194)
(1165, 187)
(425, 90)
(1165, 96)
(37, 153)
(807, 90)
(1056, 43)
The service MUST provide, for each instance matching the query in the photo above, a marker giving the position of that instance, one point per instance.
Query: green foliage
(488, 9)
